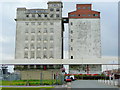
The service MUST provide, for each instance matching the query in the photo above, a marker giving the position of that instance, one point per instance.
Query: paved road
(88, 84)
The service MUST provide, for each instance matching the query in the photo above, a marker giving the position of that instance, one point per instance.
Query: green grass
(27, 88)
(31, 82)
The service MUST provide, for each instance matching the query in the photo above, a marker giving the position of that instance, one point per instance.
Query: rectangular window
(39, 15)
(32, 38)
(39, 30)
(32, 30)
(32, 54)
(51, 30)
(51, 23)
(38, 38)
(71, 23)
(57, 15)
(51, 38)
(26, 31)
(32, 23)
(45, 30)
(71, 40)
(38, 54)
(71, 48)
(26, 54)
(32, 46)
(44, 54)
(27, 15)
(45, 15)
(26, 38)
(52, 15)
(26, 46)
(33, 15)
(38, 46)
(71, 57)
(39, 23)
(26, 23)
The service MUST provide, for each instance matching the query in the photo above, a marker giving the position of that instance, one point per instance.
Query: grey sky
(109, 25)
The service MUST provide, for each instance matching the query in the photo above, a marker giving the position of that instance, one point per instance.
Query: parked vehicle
(67, 79)
(72, 77)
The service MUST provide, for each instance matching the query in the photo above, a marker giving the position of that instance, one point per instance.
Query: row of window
(39, 38)
(32, 55)
(39, 23)
(84, 7)
(43, 15)
(45, 46)
(53, 9)
(74, 15)
(39, 30)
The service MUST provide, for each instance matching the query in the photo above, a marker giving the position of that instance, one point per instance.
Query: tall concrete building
(39, 35)
(39, 32)
(84, 33)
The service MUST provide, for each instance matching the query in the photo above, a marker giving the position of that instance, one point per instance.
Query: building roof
(84, 11)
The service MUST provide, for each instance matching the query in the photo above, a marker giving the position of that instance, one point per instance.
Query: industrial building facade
(39, 35)
(84, 33)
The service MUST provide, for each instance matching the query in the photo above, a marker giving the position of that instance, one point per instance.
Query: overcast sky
(109, 23)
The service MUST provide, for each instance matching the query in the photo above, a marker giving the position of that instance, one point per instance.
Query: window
(57, 9)
(38, 38)
(52, 15)
(51, 54)
(83, 15)
(32, 54)
(51, 45)
(51, 38)
(51, 9)
(26, 37)
(84, 7)
(39, 30)
(78, 7)
(45, 38)
(32, 38)
(39, 15)
(73, 15)
(71, 32)
(33, 15)
(95, 14)
(26, 46)
(38, 46)
(71, 23)
(45, 30)
(44, 54)
(27, 23)
(71, 57)
(51, 30)
(26, 54)
(57, 15)
(32, 46)
(27, 15)
(88, 7)
(45, 23)
(26, 31)
(39, 23)
(33, 30)
(51, 23)
(78, 14)
(38, 54)
(45, 15)
(89, 15)
(32, 23)
(71, 40)
(71, 48)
